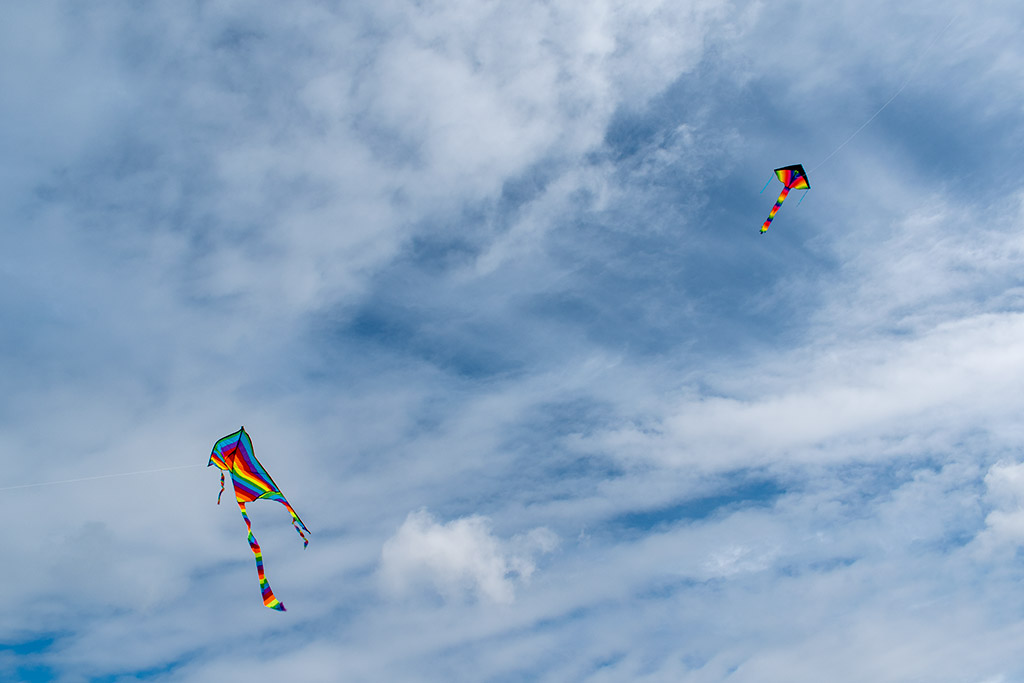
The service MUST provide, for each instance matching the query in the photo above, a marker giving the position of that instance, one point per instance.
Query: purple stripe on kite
(245, 486)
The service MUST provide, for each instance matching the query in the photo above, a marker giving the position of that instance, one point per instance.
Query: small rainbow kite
(793, 178)
(234, 454)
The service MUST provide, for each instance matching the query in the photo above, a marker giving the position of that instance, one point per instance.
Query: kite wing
(793, 178)
(234, 454)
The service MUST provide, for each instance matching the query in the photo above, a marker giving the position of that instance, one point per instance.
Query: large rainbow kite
(793, 178)
(234, 454)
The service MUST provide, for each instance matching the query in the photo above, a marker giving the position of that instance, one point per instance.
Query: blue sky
(483, 282)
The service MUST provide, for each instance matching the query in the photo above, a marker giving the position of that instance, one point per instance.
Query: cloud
(1004, 524)
(498, 260)
(460, 558)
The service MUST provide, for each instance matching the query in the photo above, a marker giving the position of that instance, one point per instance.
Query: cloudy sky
(483, 281)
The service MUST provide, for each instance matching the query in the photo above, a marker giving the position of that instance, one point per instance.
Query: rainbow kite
(234, 454)
(793, 178)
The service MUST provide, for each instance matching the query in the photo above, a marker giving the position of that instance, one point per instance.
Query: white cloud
(201, 196)
(1004, 484)
(736, 559)
(835, 399)
(460, 558)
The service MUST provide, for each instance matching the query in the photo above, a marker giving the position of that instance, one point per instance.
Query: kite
(234, 454)
(793, 178)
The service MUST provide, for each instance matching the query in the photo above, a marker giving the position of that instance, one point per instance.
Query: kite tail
(296, 522)
(269, 600)
(305, 541)
(775, 209)
(221, 487)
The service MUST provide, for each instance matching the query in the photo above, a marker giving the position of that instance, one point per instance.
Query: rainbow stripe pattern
(793, 178)
(234, 454)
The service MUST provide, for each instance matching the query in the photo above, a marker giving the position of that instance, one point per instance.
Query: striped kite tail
(775, 210)
(296, 522)
(269, 599)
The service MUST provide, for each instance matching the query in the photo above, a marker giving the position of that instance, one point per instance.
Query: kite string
(101, 476)
(906, 82)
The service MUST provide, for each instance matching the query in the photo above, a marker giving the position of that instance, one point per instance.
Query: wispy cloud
(498, 261)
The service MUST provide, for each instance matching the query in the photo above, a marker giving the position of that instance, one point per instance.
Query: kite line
(906, 82)
(101, 476)
(796, 178)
